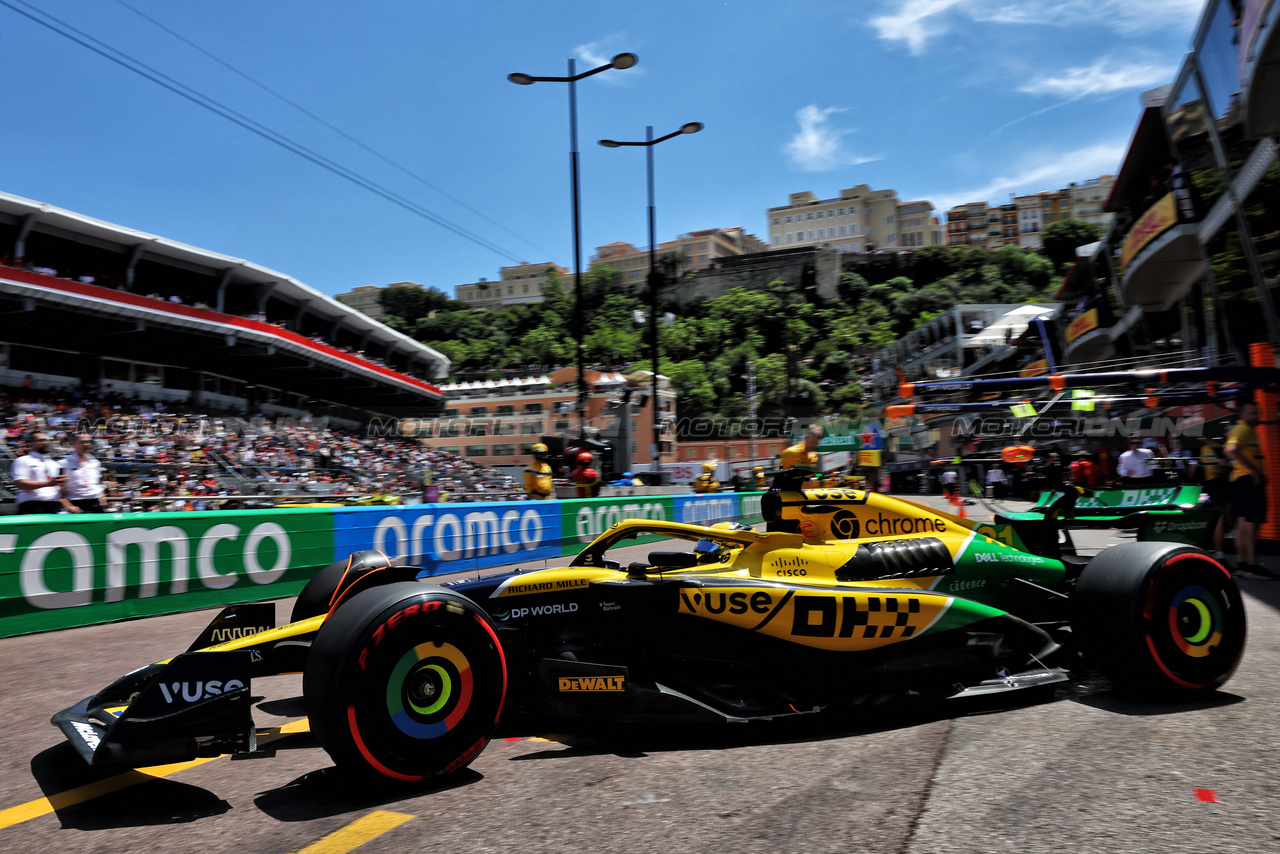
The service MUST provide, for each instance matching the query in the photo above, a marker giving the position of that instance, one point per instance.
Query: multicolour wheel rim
(1195, 621)
(429, 690)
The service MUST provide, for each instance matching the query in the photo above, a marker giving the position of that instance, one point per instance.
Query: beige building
(697, 250)
(984, 226)
(860, 220)
(518, 284)
(919, 226)
(1088, 199)
(364, 298)
(493, 422)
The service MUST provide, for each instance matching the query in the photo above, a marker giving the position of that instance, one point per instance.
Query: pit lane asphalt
(1087, 772)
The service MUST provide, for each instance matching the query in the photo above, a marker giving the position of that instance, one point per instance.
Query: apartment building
(516, 285)
(919, 226)
(980, 225)
(493, 422)
(859, 220)
(1037, 210)
(365, 298)
(1087, 200)
(696, 250)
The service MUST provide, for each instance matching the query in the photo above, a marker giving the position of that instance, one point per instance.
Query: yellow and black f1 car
(851, 599)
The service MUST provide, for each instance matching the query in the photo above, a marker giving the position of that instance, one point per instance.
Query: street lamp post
(648, 144)
(621, 61)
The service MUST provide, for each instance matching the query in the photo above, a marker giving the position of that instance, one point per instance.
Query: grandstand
(89, 304)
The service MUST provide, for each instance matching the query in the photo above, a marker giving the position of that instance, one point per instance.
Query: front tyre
(1159, 617)
(405, 682)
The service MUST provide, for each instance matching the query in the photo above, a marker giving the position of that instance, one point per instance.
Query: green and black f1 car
(851, 599)
(1170, 513)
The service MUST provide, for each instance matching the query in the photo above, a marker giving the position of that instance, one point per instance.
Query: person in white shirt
(1135, 465)
(998, 481)
(37, 477)
(948, 479)
(83, 490)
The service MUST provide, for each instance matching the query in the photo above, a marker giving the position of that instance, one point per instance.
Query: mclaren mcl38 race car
(851, 599)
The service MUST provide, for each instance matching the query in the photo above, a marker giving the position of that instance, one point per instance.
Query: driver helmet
(538, 448)
(708, 551)
(585, 457)
(707, 468)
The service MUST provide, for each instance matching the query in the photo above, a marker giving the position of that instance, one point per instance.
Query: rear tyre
(1159, 617)
(405, 682)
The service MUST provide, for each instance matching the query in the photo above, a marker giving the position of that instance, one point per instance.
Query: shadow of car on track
(329, 792)
(1096, 692)
(89, 798)
(1265, 591)
(640, 740)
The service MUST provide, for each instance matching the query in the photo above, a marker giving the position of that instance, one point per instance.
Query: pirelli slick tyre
(317, 596)
(1159, 617)
(405, 682)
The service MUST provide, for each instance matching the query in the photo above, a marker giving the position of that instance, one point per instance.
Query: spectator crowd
(158, 457)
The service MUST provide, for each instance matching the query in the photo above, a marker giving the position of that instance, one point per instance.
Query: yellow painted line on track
(89, 791)
(62, 800)
(357, 833)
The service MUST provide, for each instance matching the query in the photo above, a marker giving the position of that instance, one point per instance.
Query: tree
(410, 304)
(933, 263)
(852, 288)
(545, 346)
(1061, 238)
(557, 305)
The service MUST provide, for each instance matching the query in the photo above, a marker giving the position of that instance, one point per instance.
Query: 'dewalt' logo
(592, 684)
(834, 621)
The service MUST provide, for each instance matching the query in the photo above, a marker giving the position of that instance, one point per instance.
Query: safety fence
(61, 571)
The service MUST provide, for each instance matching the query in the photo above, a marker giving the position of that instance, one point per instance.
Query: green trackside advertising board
(584, 519)
(749, 507)
(64, 570)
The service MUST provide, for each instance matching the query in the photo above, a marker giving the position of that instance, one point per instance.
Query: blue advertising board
(444, 538)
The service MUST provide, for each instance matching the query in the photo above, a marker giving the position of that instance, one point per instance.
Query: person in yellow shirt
(537, 476)
(1248, 498)
(1214, 470)
(804, 453)
(761, 481)
(706, 482)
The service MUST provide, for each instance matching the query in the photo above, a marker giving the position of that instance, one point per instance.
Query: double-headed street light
(654, 277)
(622, 60)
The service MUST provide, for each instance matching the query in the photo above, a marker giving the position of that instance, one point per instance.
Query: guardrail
(65, 570)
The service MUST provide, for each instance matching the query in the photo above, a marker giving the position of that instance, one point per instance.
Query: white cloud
(1104, 77)
(601, 52)
(917, 22)
(914, 22)
(817, 146)
(1122, 16)
(1044, 170)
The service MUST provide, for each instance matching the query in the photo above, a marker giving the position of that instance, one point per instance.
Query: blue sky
(946, 100)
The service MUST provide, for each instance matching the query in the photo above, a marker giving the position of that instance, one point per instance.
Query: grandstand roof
(227, 341)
